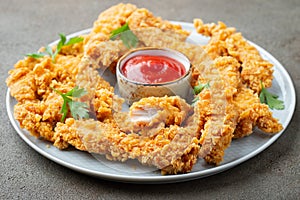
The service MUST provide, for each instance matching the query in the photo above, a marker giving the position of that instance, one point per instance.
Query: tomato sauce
(152, 69)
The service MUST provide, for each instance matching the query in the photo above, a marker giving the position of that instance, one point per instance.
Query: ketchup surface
(152, 69)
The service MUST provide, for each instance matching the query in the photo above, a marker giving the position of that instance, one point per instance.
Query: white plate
(239, 151)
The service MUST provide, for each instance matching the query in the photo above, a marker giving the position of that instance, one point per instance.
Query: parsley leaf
(36, 55)
(198, 88)
(48, 50)
(74, 40)
(79, 110)
(270, 99)
(128, 38)
(76, 92)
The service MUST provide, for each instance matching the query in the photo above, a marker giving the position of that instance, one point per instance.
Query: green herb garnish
(36, 55)
(197, 89)
(78, 109)
(48, 50)
(128, 38)
(270, 99)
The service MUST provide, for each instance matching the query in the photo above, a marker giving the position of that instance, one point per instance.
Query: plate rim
(166, 178)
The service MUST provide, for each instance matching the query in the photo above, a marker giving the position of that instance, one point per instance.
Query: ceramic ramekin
(133, 91)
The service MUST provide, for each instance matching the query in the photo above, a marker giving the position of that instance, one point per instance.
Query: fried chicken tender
(176, 109)
(38, 107)
(113, 18)
(226, 41)
(217, 111)
(218, 127)
(143, 18)
(116, 16)
(253, 113)
(172, 149)
(104, 53)
(21, 80)
(148, 115)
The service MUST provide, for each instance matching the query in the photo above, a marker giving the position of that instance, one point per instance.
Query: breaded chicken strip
(113, 18)
(253, 113)
(217, 110)
(38, 107)
(173, 149)
(226, 41)
(217, 133)
(104, 53)
(116, 16)
(148, 115)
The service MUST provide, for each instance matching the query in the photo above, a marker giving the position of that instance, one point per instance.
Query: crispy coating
(65, 135)
(116, 16)
(173, 149)
(217, 131)
(217, 111)
(176, 109)
(254, 68)
(103, 105)
(113, 18)
(225, 41)
(102, 52)
(149, 115)
(104, 55)
(143, 18)
(253, 113)
(21, 80)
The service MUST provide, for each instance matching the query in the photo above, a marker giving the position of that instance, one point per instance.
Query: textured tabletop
(27, 25)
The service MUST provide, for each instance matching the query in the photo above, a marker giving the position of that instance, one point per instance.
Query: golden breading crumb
(254, 68)
(176, 110)
(218, 116)
(226, 41)
(103, 105)
(113, 18)
(149, 115)
(21, 80)
(65, 135)
(117, 16)
(30, 114)
(143, 18)
(176, 154)
(253, 113)
(104, 53)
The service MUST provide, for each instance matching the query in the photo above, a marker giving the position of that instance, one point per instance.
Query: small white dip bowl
(133, 91)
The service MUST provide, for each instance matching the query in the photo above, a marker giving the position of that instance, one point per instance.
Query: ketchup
(152, 69)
